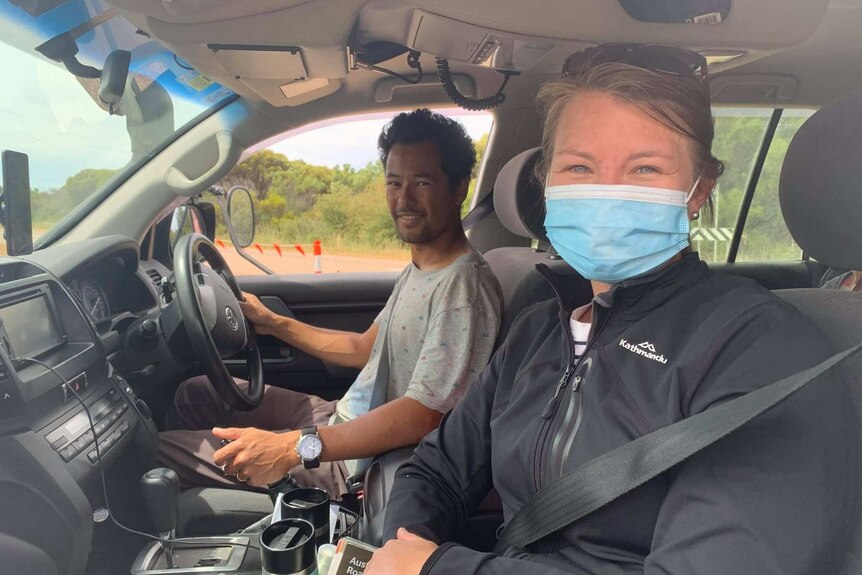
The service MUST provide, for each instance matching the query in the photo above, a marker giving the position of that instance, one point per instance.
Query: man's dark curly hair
(457, 153)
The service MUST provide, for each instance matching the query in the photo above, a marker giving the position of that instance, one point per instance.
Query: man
(434, 336)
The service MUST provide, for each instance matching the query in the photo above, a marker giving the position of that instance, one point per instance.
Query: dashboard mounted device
(15, 204)
(29, 326)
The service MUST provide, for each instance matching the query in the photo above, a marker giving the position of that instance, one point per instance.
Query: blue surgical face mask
(614, 233)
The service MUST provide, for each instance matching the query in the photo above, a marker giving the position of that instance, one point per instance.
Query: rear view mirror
(112, 84)
(678, 11)
(15, 204)
(240, 211)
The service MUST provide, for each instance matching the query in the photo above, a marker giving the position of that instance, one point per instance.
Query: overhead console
(289, 52)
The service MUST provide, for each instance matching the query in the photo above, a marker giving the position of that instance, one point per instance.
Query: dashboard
(110, 287)
(67, 413)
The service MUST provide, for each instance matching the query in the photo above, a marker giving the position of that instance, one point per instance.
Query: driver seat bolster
(207, 511)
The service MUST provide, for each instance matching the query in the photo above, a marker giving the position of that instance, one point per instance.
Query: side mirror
(240, 211)
(112, 83)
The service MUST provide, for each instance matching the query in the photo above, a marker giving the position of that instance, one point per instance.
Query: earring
(695, 215)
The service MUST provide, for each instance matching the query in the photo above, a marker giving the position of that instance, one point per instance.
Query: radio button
(60, 442)
(68, 453)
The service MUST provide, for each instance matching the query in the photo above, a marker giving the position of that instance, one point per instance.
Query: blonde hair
(678, 102)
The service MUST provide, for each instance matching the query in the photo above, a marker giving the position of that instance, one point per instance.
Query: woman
(628, 136)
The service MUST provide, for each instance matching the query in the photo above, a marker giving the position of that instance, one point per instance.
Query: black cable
(183, 65)
(101, 467)
(412, 61)
(347, 529)
(403, 78)
(472, 104)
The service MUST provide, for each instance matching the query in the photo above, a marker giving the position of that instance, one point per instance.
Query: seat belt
(380, 388)
(605, 478)
(483, 208)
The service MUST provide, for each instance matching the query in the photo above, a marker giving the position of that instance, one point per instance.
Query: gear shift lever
(161, 489)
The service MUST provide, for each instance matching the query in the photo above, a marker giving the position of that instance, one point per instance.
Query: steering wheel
(208, 299)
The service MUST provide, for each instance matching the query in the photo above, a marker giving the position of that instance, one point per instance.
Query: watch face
(309, 447)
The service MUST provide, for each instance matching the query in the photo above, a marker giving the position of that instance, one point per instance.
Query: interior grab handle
(181, 183)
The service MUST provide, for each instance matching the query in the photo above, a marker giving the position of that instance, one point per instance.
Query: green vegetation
(737, 142)
(50, 206)
(345, 207)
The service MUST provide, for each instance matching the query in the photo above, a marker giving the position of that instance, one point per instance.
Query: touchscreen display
(30, 327)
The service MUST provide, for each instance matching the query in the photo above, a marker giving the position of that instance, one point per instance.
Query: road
(292, 262)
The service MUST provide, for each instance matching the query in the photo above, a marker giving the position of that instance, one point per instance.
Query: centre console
(64, 413)
(53, 371)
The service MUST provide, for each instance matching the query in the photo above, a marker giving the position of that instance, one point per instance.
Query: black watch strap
(309, 430)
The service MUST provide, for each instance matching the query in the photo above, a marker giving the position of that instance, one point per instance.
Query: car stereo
(29, 325)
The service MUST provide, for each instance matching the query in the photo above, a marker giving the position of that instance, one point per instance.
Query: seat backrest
(519, 203)
(838, 314)
(822, 206)
(520, 206)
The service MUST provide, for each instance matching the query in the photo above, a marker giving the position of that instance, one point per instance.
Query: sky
(45, 113)
(354, 142)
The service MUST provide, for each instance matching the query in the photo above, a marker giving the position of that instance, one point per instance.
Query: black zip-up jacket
(775, 497)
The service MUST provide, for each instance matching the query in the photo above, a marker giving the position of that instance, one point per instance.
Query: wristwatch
(309, 447)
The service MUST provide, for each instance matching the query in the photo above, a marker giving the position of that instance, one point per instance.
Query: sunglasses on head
(655, 57)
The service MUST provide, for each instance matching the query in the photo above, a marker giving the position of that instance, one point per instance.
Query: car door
(348, 302)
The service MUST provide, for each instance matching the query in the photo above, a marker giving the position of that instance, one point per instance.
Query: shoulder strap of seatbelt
(607, 477)
(380, 388)
(484, 208)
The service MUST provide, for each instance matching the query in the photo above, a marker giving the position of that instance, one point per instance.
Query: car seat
(819, 192)
(519, 202)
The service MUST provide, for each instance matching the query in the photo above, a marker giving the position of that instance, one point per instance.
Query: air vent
(155, 276)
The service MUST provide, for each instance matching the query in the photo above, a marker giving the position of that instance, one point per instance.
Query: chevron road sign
(711, 234)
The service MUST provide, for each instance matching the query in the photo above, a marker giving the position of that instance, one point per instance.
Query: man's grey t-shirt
(442, 326)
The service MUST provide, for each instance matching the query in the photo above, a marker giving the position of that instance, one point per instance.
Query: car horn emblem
(231, 318)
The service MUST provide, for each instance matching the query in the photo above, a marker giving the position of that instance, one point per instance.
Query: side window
(325, 184)
(765, 237)
(738, 136)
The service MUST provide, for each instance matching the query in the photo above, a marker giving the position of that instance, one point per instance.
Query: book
(351, 557)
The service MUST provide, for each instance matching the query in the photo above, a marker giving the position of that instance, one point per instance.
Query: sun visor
(263, 62)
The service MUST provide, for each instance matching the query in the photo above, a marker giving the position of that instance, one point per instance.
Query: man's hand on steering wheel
(203, 321)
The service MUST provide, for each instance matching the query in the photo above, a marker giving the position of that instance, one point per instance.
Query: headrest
(820, 189)
(519, 198)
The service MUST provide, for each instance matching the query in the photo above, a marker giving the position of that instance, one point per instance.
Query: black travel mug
(287, 548)
(311, 504)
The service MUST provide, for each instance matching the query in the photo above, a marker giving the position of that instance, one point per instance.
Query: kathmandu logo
(645, 349)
